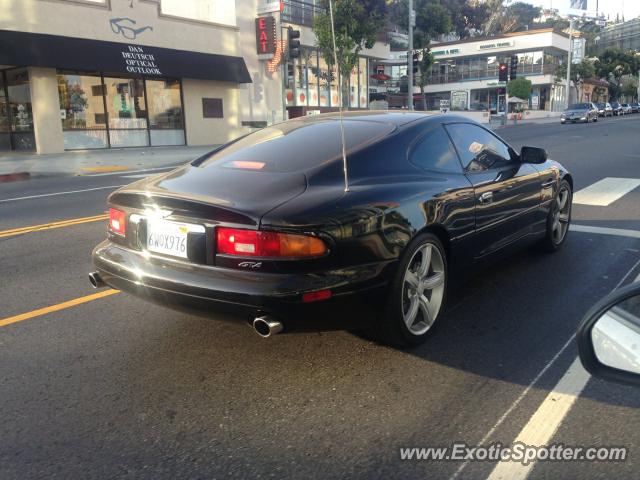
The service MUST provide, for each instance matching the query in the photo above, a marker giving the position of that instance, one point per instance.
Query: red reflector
(117, 221)
(316, 296)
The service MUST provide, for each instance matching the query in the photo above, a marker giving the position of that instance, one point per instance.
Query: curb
(14, 177)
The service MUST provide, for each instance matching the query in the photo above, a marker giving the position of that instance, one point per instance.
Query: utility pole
(412, 19)
(569, 60)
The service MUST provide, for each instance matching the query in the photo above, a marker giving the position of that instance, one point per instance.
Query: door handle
(486, 197)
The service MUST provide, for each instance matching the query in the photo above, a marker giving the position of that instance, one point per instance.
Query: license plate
(169, 238)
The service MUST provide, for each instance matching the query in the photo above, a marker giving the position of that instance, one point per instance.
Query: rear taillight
(117, 221)
(255, 243)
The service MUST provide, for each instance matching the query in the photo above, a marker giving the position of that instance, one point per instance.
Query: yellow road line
(54, 308)
(48, 226)
(105, 169)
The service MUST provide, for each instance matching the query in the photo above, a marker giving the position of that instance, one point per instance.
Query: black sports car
(264, 224)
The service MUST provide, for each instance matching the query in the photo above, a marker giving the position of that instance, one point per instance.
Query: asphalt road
(118, 388)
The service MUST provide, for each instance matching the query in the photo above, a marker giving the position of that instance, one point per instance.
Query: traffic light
(514, 67)
(415, 62)
(293, 42)
(503, 72)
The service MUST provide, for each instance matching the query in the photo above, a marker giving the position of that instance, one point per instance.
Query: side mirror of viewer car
(533, 155)
(609, 337)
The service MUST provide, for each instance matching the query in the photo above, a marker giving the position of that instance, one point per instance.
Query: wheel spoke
(410, 316)
(426, 261)
(434, 281)
(564, 218)
(562, 199)
(425, 308)
(412, 279)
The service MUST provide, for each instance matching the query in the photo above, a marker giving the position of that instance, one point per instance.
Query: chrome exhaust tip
(267, 326)
(96, 280)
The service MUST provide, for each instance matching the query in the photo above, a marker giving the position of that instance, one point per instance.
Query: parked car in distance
(259, 227)
(580, 112)
(626, 109)
(617, 108)
(635, 107)
(605, 110)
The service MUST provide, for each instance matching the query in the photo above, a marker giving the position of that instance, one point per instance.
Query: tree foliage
(512, 18)
(614, 65)
(356, 23)
(520, 87)
(579, 72)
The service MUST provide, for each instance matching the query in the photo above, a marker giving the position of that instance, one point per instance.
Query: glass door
(127, 112)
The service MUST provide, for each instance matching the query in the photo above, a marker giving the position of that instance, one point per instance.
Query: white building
(466, 72)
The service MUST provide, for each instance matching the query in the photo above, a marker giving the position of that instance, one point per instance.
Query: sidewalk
(87, 162)
(495, 125)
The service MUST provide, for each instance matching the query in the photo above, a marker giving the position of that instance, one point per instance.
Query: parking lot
(106, 386)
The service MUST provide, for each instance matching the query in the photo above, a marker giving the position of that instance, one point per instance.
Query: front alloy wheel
(559, 218)
(417, 294)
(423, 289)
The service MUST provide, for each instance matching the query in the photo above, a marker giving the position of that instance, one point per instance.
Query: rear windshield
(295, 146)
(579, 106)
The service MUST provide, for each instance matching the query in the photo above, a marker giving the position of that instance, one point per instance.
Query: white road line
(524, 393)
(543, 425)
(515, 403)
(606, 191)
(620, 232)
(141, 175)
(131, 171)
(59, 193)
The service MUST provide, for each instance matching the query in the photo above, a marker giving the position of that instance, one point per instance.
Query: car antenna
(335, 61)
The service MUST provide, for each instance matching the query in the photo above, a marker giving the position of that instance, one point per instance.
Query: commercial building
(85, 74)
(465, 72)
(625, 35)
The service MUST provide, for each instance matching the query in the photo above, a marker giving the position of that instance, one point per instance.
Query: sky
(630, 8)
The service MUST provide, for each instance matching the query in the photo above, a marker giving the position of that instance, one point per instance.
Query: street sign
(412, 18)
(578, 50)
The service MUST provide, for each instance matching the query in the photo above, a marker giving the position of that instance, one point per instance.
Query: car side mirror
(609, 337)
(533, 155)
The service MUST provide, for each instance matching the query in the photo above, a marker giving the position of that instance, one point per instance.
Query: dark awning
(67, 53)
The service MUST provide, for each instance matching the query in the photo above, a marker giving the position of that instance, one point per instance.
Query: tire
(410, 316)
(595, 119)
(559, 217)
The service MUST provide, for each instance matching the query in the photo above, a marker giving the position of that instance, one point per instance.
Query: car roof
(397, 118)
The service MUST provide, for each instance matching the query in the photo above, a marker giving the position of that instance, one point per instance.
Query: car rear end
(192, 239)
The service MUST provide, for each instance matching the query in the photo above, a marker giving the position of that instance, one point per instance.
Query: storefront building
(92, 74)
(465, 73)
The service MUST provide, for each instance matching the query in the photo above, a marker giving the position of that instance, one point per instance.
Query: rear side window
(434, 151)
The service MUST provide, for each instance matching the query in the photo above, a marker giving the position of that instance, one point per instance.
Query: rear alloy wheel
(559, 218)
(418, 293)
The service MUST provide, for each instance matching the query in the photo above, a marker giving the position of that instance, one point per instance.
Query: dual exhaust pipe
(266, 326)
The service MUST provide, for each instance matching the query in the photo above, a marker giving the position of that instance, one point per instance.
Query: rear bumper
(209, 289)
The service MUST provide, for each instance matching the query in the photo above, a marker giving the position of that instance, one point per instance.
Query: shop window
(166, 119)
(322, 74)
(127, 112)
(82, 112)
(353, 87)
(312, 77)
(19, 109)
(363, 84)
